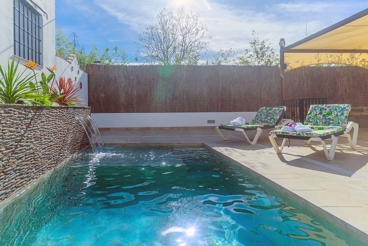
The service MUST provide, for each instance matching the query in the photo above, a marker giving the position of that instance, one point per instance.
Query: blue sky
(109, 23)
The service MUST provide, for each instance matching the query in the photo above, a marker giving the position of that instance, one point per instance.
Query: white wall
(48, 31)
(70, 69)
(7, 34)
(67, 68)
(122, 120)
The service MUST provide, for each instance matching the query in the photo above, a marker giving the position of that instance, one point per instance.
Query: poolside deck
(335, 190)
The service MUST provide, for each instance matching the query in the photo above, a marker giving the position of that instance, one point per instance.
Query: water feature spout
(93, 134)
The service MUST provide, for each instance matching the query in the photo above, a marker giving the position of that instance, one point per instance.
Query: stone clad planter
(34, 140)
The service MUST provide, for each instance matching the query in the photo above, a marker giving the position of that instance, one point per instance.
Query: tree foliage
(65, 47)
(260, 53)
(225, 57)
(175, 39)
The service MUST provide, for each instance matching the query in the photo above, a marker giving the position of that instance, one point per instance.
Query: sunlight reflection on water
(157, 196)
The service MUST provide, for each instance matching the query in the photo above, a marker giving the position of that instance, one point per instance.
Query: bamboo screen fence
(151, 88)
(337, 84)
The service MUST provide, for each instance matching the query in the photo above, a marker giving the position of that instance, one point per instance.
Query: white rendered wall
(70, 69)
(48, 31)
(123, 120)
(7, 33)
(63, 67)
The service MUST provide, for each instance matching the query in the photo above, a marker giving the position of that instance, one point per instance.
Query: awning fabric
(345, 42)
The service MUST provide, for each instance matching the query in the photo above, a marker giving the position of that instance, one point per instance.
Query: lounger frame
(352, 140)
(343, 130)
(330, 153)
(252, 142)
(280, 122)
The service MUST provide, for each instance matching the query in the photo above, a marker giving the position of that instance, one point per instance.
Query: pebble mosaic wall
(34, 140)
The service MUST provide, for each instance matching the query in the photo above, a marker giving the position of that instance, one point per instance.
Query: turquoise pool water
(157, 196)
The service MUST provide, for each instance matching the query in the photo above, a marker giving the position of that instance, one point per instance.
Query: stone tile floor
(335, 190)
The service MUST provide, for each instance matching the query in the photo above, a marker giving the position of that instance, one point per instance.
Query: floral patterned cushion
(324, 120)
(318, 131)
(245, 126)
(265, 117)
(328, 115)
(268, 116)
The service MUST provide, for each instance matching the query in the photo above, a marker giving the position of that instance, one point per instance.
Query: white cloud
(303, 7)
(324, 7)
(229, 26)
(137, 16)
(143, 13)
(207, 4)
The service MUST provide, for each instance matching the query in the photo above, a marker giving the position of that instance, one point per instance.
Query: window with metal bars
(27, 32)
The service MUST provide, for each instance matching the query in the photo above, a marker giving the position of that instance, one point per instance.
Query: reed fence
(151, 88)
(337, 84)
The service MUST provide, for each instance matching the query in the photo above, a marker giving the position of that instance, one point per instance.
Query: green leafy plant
(107, 56)
(260, 53)
(66, 92)
(15, 86)
(43, 86)
(225, 57)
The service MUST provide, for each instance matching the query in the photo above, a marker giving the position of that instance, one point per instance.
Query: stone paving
(335, 190)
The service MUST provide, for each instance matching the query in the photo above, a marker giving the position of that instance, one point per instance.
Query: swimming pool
(157, 196)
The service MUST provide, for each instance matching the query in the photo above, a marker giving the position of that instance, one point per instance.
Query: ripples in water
(156, 196)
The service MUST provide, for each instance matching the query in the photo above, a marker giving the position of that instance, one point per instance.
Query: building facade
(28, 33)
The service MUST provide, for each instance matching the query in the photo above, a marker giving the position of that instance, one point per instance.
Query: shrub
(66, 92)
(15, 86)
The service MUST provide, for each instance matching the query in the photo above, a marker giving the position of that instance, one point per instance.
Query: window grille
(27, 32)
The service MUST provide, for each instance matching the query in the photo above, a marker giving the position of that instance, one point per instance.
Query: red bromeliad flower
(67, 92)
